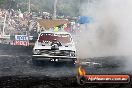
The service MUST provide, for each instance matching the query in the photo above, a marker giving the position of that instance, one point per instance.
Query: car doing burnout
(54, 46)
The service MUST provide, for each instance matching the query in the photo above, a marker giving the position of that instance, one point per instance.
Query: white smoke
(111, 32)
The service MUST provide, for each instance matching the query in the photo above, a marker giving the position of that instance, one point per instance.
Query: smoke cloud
(110, 34)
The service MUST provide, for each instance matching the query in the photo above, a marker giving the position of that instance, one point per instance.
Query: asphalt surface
(18, 71)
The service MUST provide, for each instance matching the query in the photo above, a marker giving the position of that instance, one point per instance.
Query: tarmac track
(17, 71)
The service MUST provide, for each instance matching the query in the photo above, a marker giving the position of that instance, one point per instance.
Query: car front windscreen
(63, 38)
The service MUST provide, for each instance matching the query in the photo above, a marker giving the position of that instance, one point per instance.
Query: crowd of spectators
(15, 22)
(18, 22)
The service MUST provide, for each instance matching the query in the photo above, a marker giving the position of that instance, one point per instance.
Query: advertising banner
(21, 37)
(22, 40)
(23, 43)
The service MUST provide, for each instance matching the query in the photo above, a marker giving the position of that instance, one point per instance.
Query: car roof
(55, 32)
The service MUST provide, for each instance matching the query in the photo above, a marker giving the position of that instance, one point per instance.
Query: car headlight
(37, 52)
(72, 53)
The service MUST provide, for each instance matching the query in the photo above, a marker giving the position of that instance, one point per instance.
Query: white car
(54, 46)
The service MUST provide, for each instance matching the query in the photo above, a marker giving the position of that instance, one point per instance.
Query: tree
(64, 7)
(1, 3)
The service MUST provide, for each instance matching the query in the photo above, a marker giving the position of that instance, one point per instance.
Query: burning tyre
(54, 47)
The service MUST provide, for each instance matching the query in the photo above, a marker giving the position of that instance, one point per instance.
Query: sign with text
(21, 43)
(83, 78)
(108, 78)
(21, 38)
(103, 79)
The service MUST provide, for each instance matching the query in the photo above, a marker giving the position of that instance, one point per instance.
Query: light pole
(3, 32)
(29, 6)
(55, 9)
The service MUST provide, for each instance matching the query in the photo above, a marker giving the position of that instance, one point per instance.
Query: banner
(20, 43)
(22, 40)
(21, 37)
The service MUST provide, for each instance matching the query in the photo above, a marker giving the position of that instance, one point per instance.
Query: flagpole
(29, 6)
(55, 9)
(4, 25)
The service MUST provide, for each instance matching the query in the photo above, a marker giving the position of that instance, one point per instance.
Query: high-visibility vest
(62, 28)
(56, 29)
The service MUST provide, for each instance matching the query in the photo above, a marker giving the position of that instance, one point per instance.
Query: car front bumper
(49, 58)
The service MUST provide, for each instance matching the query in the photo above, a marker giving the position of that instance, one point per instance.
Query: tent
(47, 24)
(84, 19)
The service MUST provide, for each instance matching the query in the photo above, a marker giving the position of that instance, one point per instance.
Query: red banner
(22, 43)
(107, 78)
(103, 79)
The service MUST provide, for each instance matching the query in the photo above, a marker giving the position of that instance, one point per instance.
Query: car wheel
(71, 63)
(36, 62)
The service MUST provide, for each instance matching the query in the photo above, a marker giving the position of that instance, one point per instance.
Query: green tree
(64, 7)
(1, 3)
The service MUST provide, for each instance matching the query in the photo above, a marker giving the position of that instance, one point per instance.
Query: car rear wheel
(71, 63)
(36, 62)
